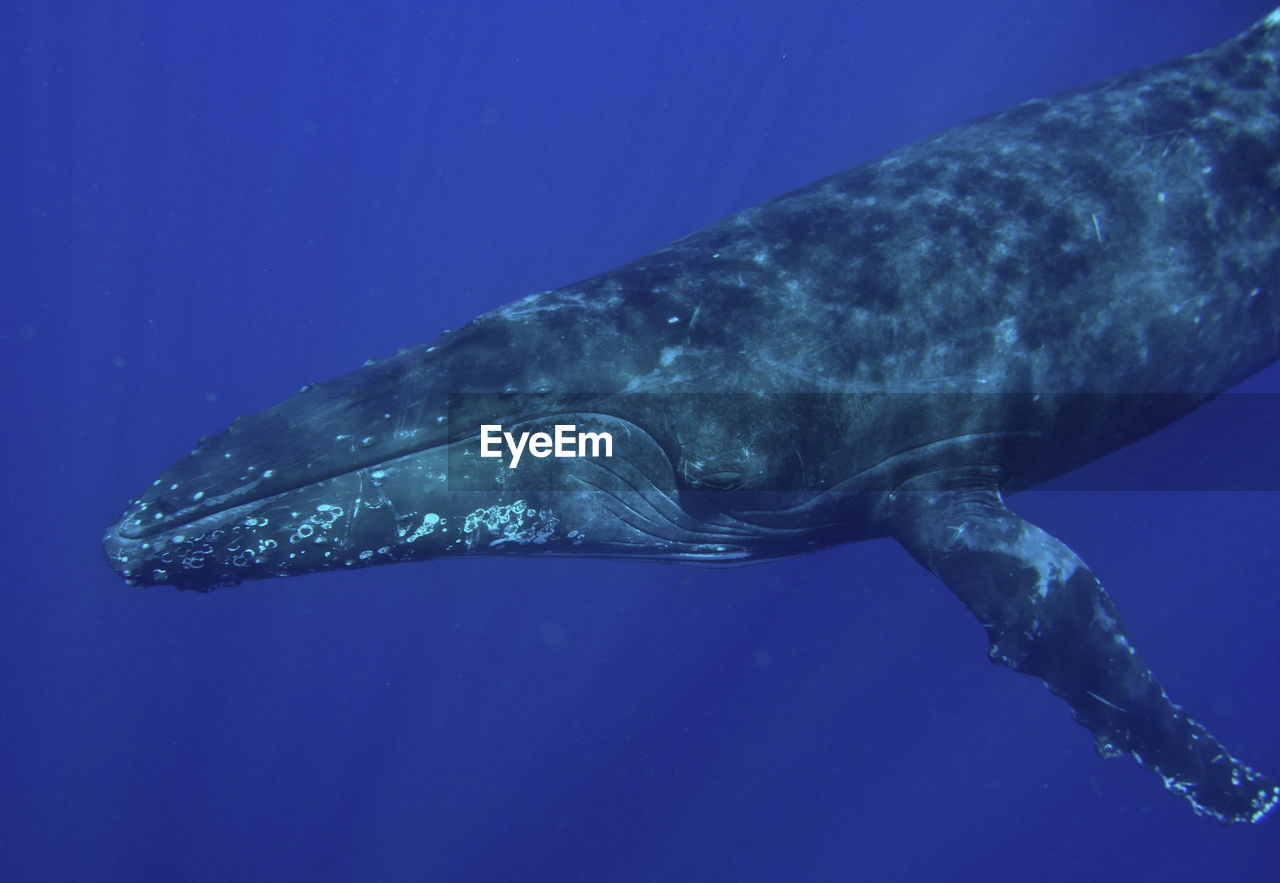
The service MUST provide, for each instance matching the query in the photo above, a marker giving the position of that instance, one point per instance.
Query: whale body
(886, 352)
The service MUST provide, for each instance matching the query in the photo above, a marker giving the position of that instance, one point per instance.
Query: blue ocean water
(206, 206)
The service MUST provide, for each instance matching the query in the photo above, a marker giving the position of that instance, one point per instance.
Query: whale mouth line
(146, 519)
(149, 518)
(193, 525)
(132, 556)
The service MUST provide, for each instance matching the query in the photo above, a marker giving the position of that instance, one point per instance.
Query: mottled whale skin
(881, 353)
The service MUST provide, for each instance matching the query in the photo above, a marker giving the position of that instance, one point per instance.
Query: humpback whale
(887, 352)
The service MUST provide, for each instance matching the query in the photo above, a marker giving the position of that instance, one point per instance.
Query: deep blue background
(207, 205)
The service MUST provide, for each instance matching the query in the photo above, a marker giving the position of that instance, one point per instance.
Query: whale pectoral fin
(1047, 615)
